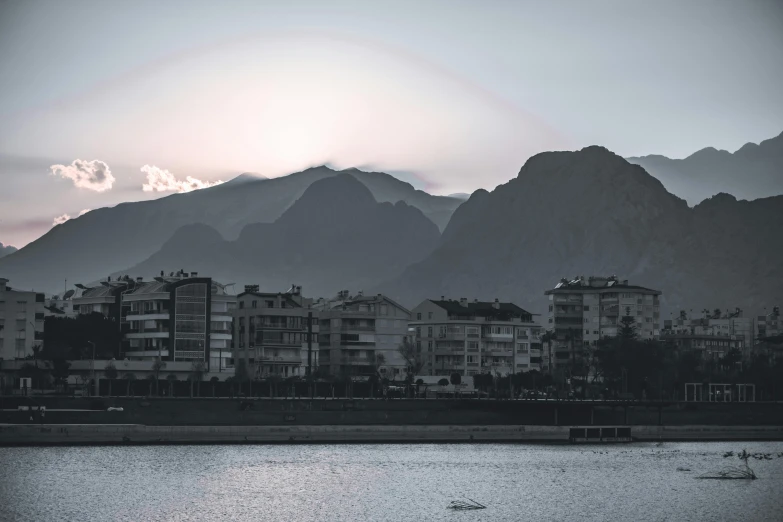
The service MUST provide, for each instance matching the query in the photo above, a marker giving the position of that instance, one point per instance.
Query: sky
(105, 102)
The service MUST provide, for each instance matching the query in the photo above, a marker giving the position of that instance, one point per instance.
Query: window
(20, 324)
(429, 331)
(586, 308)
(429, 315)
(241, 304)
(429, 346)
(254, 304)
(418, 317)
(418, 331)
(550, 307)
(270, 304)
(418, 346)
(471, 358)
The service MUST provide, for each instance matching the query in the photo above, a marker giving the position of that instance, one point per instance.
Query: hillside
(754, 171)
(109, 239)
(591, 212)
(335, 236)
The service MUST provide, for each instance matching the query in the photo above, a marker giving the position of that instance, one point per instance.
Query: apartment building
(276, 333)
(21, 322)
(103, 298)
(582, 310)
(361, 335)
(475, 337)
(179, 317)
(769, 325)
(728, 325)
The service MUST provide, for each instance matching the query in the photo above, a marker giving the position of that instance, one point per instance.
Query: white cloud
(83, 212)
(93, 175)
(161, 180)
(59, 220)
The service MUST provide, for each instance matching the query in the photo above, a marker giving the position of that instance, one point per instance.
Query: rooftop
(580, 283)
(494, 310)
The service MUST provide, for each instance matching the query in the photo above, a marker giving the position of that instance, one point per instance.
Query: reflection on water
(386, 482)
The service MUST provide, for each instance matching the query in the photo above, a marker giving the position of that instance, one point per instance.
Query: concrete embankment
(86, 434)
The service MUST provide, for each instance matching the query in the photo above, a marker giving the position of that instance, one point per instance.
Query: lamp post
(93, 367)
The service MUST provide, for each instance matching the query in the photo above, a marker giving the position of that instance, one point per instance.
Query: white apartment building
(21, 322)
(271, 332)
(475, 337)
(581, 311)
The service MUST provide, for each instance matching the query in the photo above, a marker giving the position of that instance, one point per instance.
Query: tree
(157, 366)
(76, 333)
(60, 371)
(443, 382)
(130, 377)
(414, 361)
(111, 373)
(197, 370)
(171, 378)
(214, 380)
(547, 338)
(716, 313)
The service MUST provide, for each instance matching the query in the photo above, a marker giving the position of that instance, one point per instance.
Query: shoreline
(138, 434)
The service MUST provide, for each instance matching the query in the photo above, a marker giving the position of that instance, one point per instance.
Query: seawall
(82, 434)
(368, 412)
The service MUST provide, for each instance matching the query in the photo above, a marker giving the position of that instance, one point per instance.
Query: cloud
(6, 249)
(161, 180)
(93, 175)
(83, 212)
(59, 220)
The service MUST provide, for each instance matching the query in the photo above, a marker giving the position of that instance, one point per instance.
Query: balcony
(279, 342)
(147, 334)
(356, 328)
(363, 361)
(279, 360)
(507, 338)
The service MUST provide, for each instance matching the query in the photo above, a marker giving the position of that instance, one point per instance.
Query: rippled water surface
(386, 482)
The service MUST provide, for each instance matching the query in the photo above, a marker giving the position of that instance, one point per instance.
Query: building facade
(276, 334)
(360, 335)
(581, 311)
(21, 322)
(180, 317)
(458, 336)
(729, 325)
(769, 325)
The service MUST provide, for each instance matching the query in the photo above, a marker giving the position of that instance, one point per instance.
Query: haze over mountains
(754, 171)
(106, 240)
(335, 234)
(591, 212)
(6, 249)
(588, 212)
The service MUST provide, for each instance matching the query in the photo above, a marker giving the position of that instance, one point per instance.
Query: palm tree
(130, 377)
(110, 372)
(171, 378)
(196, 374)
(157, 366)
(214, 380)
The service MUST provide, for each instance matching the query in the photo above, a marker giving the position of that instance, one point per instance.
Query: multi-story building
(475, 337)
(276, 333)
(361, 335)
(104, 298)
(769, 325)
(21, 322)
(180, 317)
(61, 306)
(581, 311)
(727, 325)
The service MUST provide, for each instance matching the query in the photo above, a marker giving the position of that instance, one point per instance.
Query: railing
(357, 328)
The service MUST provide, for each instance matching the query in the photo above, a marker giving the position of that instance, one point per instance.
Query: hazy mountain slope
(591, 212)
(6, 249)
(335, 236)
(754, 171)
(106, 240)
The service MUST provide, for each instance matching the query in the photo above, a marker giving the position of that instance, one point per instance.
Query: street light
(93, 366)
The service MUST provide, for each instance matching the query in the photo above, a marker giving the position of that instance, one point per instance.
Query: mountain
(754, 171)
(6, 249)
(106, 240)
(591, 212)
(336, 236)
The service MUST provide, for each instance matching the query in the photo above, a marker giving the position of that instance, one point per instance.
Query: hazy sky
(458, 94)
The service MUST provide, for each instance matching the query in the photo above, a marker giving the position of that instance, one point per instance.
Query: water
(386, 483)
